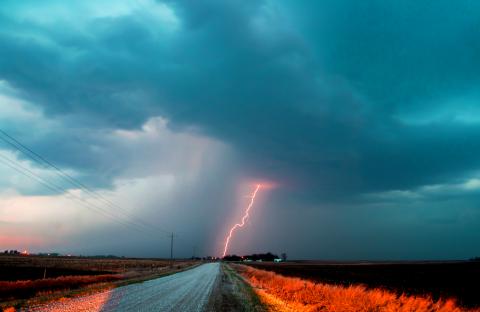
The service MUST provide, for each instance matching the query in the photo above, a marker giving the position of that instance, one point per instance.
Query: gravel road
(185, 291)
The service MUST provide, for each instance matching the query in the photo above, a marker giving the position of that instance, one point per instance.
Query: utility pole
(171, 250)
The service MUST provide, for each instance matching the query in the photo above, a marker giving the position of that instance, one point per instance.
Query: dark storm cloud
(363, 112)
(308, 94)
(414, 49)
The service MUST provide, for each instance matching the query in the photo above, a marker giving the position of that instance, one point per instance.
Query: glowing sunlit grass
(27, 288)
(295, 294)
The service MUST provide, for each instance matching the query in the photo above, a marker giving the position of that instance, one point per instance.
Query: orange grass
(27, 288)
(295, 294)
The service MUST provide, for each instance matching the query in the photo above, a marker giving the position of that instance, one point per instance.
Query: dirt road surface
(185, 291)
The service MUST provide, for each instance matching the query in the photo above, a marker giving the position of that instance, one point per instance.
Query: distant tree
(232, 258)
(263, 257)
(284, 256)
(268, 257)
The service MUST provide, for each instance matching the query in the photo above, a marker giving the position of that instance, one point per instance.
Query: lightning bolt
(245, 217)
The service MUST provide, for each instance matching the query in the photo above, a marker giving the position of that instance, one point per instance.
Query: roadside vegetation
(28, 288)
(236, 294)
(436, 279)
(294, 294)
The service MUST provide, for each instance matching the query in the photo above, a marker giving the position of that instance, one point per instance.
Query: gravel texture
(185, 291)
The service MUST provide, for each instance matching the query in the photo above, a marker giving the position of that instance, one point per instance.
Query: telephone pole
(171, 250)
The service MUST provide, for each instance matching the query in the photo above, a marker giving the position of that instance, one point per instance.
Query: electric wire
(135, 222)
(30, 174)
(73, 181)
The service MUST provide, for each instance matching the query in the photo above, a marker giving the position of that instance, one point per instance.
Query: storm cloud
(342, 106)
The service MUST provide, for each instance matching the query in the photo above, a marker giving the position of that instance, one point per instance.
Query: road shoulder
(231, 293)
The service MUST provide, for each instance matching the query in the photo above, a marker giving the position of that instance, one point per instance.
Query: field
(289, 286)
(282, 293)
(438, 280)
(22, 277)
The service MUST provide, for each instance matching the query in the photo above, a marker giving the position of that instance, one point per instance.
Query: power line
(30, 174)
(41, 160)
(75, 182)
(55, 188)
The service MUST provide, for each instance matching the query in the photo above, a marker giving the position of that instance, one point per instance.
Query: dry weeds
(295, 294)
(27, 288)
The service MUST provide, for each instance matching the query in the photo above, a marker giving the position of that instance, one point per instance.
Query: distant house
(277, 260)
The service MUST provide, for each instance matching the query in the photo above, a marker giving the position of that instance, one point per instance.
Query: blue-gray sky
(362, 117)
